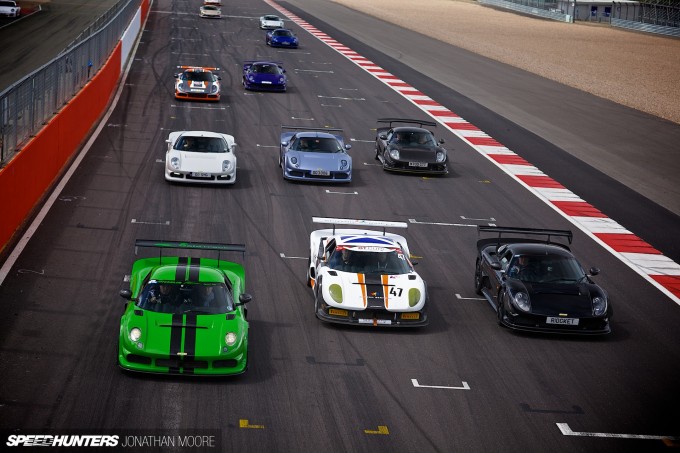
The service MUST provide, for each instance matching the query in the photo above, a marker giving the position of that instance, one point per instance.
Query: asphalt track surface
(312, 386)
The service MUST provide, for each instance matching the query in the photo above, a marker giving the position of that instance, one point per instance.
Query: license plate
(376, 321)
(562, 321)
(417, 164)
(321, 172)
(200, 175)
(410, 316)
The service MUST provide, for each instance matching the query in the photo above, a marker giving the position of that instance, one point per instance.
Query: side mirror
(284, 144)
(126, 294)
(244, 298)
(496, 266)
(382, 137)
(442, 141)
(594, 271)
(414, 263)
(348, 147)
(176, 75)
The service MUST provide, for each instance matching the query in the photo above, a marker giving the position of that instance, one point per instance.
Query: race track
(460, 384)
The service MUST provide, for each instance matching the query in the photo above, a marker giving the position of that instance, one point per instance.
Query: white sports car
(364, 277)
(211, 11)
(200, 156)
(270, 22)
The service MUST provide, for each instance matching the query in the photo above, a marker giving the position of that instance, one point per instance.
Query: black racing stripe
(375, 297)
(181, 272)
(176, 339)
(194, 270)
(190, 341)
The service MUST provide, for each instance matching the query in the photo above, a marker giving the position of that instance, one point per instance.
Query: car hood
(205, 162)
(374, 291)
(319, 161)
(417, 153)
(159, 330)
(552, 299)
(272, 78)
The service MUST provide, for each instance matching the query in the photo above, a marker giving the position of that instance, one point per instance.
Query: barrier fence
(27, 105)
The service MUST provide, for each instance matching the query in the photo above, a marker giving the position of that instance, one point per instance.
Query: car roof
(201, 134)
(537, 249)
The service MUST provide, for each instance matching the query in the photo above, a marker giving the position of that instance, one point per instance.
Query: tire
(309, 277)
(479, 278)
(317, 294)
(500, 311)
(377, 151)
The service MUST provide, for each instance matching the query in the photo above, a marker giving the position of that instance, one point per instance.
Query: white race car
(270, 22)
(200, 156)
(363, 276)
(211, 11)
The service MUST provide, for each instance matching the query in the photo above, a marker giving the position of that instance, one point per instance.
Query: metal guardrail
(649, 28)
(533, 7)
(27, 105)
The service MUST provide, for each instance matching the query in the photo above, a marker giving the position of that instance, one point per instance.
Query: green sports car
(185, 315)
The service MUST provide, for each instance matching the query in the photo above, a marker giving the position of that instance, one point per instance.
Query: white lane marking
(282, 255)
(442, 223)
(29, 271)
(126, 278)
(141, 222)
(417, 385)
(458, 296)
(191, 54)
(343, 193)
(340, 97)
(479, 220)
(371, 164)
(362, 141)
(313, 70)
(160, 161)
(302, 119)
(349, 89)
(564, 427)
(266, 146)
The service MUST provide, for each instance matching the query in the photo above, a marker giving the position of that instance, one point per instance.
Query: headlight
(213, 89)
(440, 156)
(394, 153)
(174, 163)
(413, 297)
(180, 87)
(335, 291)
(344, 164)
(294, 161)
(599, 306)
(521, 300)
(226, 165)
(251, 78)
(230, 338)
(282, 80)
(135, 334)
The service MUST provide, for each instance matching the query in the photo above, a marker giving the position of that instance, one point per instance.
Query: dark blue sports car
(314, 154)
(264, 76)
(281, 37)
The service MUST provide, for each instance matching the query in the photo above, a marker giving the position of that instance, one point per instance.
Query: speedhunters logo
(131, 440)
(67, 440)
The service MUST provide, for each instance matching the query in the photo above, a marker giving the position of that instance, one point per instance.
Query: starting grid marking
(661, 272)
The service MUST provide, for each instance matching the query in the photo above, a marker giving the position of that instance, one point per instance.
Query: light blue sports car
(314, 154)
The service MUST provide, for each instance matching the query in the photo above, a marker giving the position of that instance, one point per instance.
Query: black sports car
(538, 285)
(409, 148)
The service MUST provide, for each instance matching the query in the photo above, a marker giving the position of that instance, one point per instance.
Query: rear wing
(190, 246)
(421, 123)
(320, 129)
(499, 240)
(205, 68)
(356, 222)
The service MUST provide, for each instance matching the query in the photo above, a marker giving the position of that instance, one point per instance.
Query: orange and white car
(364, 277)
(197, 83)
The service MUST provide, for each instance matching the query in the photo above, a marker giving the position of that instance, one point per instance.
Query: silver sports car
(315, 154)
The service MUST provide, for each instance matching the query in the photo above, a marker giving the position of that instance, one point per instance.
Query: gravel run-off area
(635, 69)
